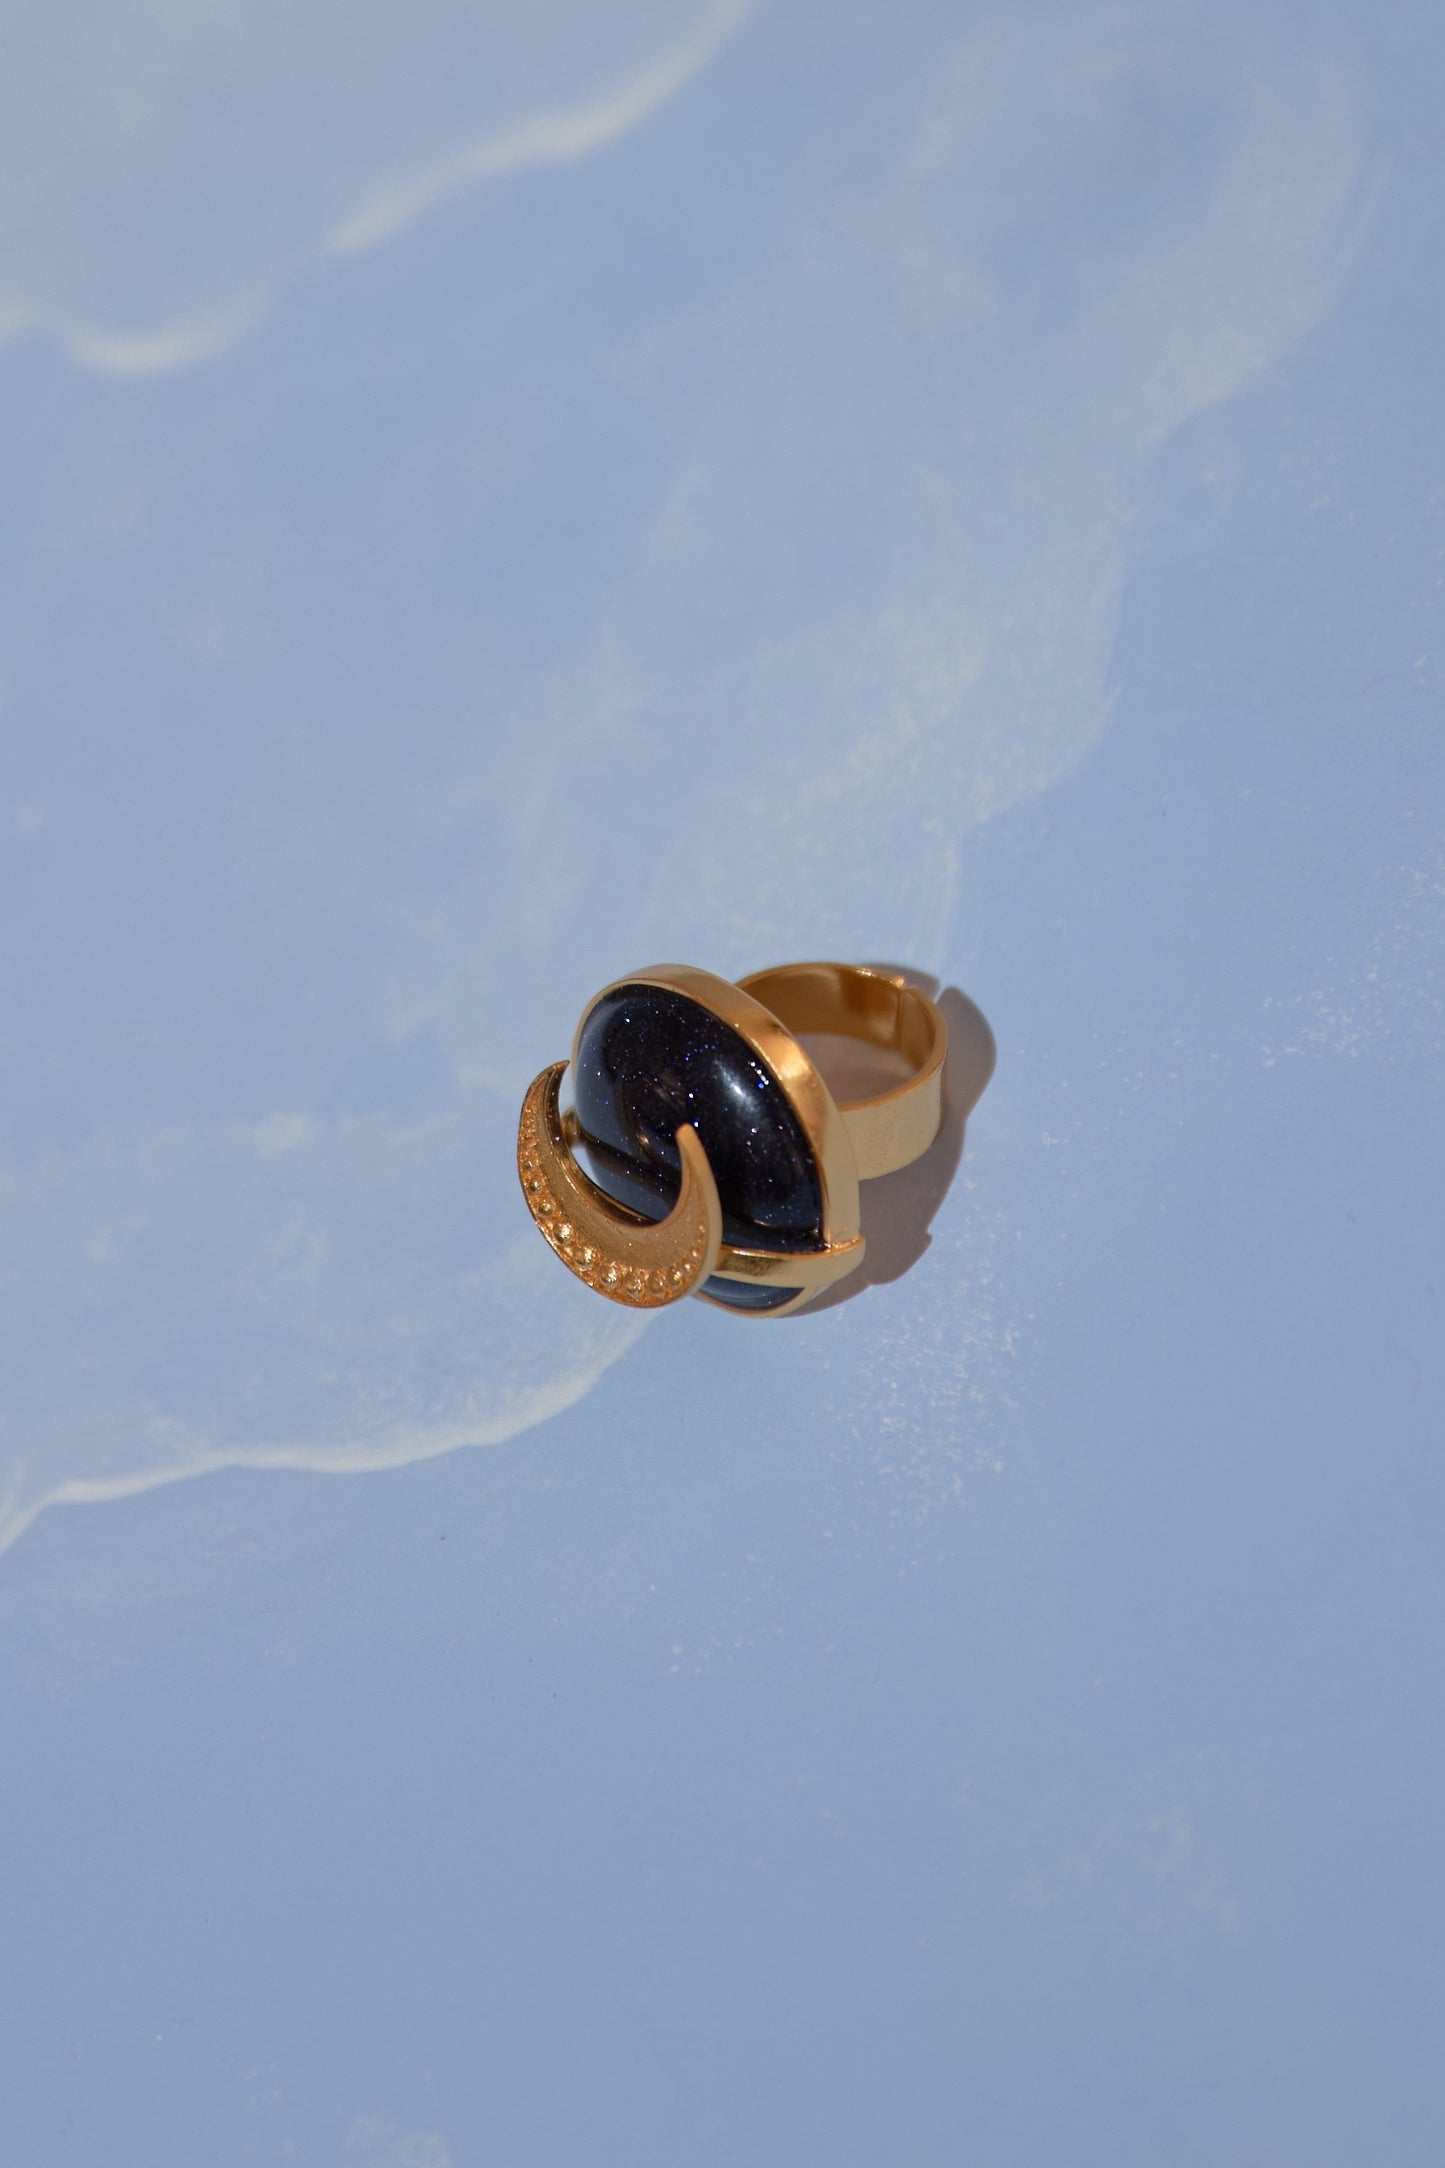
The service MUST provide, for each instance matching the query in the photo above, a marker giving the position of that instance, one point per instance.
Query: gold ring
(717, 1161)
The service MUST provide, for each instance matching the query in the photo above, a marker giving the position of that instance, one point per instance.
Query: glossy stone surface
(648, 1060)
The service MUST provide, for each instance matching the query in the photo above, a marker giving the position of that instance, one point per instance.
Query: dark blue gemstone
(648, 1060)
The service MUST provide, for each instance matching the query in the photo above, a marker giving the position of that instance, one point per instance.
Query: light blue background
(490, 497)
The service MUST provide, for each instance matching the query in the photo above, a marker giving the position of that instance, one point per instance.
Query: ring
(717, 1161)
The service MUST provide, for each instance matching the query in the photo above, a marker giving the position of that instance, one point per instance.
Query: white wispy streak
(551, 139)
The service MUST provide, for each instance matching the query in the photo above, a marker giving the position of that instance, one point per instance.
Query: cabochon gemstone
(649, 1059)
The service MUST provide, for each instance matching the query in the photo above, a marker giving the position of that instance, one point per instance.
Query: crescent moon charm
(642, 1263)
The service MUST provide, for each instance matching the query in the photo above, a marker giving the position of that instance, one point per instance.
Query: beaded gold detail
(641, 1263)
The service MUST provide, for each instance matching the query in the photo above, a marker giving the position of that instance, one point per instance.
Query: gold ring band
(890, 1129)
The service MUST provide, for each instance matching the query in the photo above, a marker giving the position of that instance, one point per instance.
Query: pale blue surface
(492, 497)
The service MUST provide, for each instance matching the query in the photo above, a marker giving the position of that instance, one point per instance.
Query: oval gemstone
(650, 1059)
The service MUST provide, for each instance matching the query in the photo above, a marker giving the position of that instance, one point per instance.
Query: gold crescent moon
(643, 1263)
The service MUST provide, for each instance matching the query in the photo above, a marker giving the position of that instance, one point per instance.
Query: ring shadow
(897, 1209)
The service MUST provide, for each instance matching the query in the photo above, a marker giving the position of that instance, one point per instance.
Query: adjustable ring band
(703, 1152)
(890, 1129)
